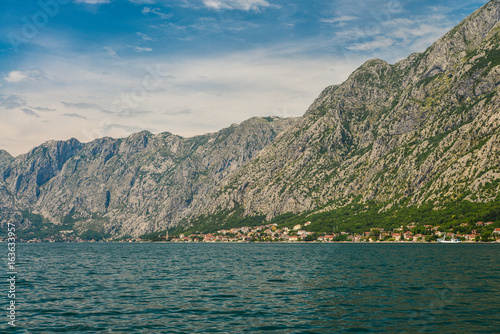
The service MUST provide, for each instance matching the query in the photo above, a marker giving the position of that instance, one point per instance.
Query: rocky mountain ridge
(424, 130)
(128, 186)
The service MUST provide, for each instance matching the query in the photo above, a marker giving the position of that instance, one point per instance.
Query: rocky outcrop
(134, 185)
(424, 129)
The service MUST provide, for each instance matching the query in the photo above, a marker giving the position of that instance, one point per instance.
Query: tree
(375, 233)
(485, 236)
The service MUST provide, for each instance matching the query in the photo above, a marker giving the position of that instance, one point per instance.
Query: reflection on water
(258, 288)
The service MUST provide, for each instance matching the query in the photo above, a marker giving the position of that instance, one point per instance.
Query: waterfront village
(465, 232)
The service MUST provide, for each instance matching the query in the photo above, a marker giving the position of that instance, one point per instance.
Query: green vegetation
(360, 217)
(35, 226)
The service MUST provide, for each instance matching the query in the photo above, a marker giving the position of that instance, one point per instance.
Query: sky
(87, 69)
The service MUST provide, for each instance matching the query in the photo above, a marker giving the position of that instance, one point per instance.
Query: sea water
(256, 288)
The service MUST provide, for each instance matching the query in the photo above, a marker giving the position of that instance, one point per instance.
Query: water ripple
(257, 288)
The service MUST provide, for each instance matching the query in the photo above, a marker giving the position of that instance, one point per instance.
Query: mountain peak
(466, 36)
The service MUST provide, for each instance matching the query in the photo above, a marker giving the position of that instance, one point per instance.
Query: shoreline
(250, 242)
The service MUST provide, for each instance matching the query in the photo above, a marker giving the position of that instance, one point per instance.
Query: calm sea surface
(256, 288)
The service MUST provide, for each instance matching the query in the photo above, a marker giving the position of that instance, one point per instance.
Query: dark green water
(257, 288)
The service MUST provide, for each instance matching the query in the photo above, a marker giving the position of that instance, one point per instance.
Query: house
(488, 223)
(307, 224)
(496, 231)
(408, 235)
(208, 238)
(293, 238)
(416, 237)
(479, 224)
(329, 237)
(470, 237)
(297, 227)
(396, 236)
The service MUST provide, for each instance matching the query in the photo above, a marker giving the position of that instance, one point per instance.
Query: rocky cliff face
(423, 130)
(134, 185)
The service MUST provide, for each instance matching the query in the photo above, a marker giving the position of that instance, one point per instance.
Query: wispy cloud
(143, 2)
(12, 101)
(30, 112)
(74, 115)
(93, 2)
(110, 52)
(42, 109)
(122, 112)
(81, 105)
(179, 111)
(130, 129)
(247, 5)
(19, 76)
(155, 11)
(340, 19)
(378, 43)
(142, 49)
(144, 37)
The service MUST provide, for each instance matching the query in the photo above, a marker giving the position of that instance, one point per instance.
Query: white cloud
(93, 2)
(19, 76)
(142, 49)
(110, 52)
(144, 37)
(143, 2)
(247, 5)
(156, 11)
(340, 19)
(378, 43)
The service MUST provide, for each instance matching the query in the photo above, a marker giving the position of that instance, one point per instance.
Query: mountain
(421, 133)
(424, 129)
(128, 186)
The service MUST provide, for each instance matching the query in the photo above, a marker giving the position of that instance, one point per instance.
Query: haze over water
(258, 288)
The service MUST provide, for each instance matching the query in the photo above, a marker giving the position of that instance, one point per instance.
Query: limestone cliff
(424, 129)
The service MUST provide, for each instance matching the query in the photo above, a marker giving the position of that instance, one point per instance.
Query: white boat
(451, 241)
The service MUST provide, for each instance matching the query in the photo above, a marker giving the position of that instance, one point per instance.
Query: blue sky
(94, 68)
